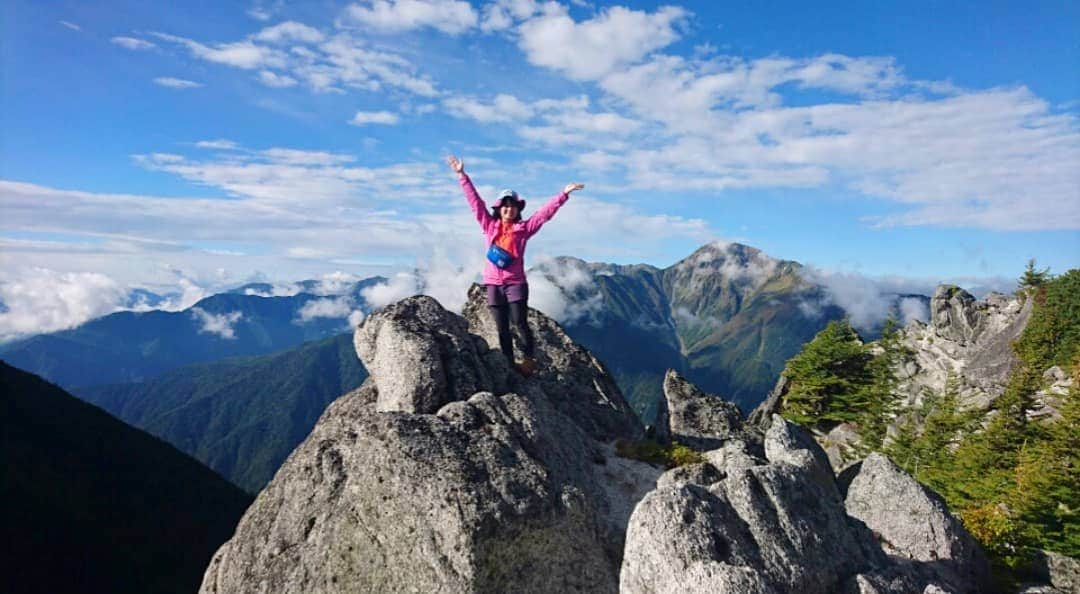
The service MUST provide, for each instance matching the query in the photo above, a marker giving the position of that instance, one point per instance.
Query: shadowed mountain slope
(93, 505)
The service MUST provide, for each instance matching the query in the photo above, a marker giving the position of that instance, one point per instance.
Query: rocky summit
(446, 471)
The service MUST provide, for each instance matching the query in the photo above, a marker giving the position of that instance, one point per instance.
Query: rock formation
(693, 418)
(966, 339)
(448, 472)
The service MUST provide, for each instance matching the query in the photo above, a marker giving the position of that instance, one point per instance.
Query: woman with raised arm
(504, 273)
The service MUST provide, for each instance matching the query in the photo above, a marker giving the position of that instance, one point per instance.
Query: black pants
(516, 314)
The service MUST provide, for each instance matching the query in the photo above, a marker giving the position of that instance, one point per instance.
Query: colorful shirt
(521, 232)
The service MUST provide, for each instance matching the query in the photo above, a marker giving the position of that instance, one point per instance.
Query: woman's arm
(471, 196)
(548, 210)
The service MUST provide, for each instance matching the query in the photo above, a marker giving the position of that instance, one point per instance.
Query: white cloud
(998, 159)
(264, 10)
(241, 54)
(565, 290)
(291, 176)
(339, 307)
(449, 16)
(446, 273)
(335, 283)
(190, 294)
(398, 287)
(862, 298)
(355, 318)
(503, 108)
(615, 37)
(71, 25)
(40, 300)
(501, 15)
(176, 83)
(292, 53)
(132, 43)
(556, 122)
(290, 31)
(219, 144)
(913, 309)
(363, 118)
(222, 325)
(277, 81)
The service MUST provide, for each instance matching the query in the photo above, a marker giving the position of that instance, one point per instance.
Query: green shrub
(652, 452)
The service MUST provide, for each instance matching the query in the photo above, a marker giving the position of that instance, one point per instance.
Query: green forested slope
(1014, 481)
(242, 417)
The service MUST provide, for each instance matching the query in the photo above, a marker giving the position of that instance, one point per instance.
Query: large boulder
(495, 489)
(422, 356)
(953, 314)
(775, 526)
(693, 418)
(914, 523)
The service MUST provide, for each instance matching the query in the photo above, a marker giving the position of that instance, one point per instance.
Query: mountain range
(727, 317)
(132, 346)
(239, 379)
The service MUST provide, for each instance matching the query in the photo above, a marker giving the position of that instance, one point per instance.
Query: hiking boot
(526, 367)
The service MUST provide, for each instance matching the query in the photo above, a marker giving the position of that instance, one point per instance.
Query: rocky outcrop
(693, 418)
(914, 523)
(742, 524)
(762, 415)
(1060, 574)
(447, 472)
(1048, 400)
(967, 340)
(572, 378)
(422, 356)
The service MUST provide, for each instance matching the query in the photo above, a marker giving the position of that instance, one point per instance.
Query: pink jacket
(514, 273)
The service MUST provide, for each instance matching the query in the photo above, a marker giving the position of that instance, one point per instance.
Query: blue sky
(194, 147)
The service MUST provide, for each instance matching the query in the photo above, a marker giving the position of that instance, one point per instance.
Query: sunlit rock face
(966, 340)
(449, 472)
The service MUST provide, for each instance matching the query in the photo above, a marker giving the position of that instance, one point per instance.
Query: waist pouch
(499, 257)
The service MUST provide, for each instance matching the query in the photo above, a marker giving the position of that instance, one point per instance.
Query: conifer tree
(1032, 277)
(828, 377)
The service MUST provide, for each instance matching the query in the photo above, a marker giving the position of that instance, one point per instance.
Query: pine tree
(880, 407)
(1032, 277)
(828, 377)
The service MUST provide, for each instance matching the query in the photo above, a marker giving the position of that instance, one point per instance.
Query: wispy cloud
(71, 25)
(241, 54)
(219, 144)
(292, 53)
(133, 43)
(363, 118)
(277, 81)
(176, 83)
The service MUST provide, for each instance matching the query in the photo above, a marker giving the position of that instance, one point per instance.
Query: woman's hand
(456, 164)
(572, 187)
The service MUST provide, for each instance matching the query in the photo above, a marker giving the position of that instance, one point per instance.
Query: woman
(504, 273)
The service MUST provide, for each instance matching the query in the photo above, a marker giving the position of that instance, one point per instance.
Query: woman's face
(508, 212)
